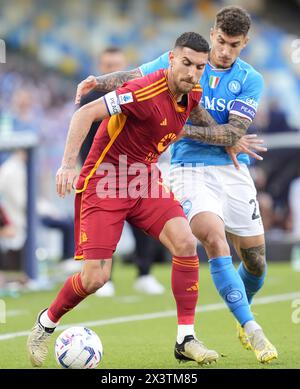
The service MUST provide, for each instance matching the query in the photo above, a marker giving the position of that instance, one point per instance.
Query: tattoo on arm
(254, 259)
(200, 117)
(220, 134)
(112, 81)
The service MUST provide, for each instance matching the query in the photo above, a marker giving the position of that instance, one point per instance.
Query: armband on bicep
(112, 103)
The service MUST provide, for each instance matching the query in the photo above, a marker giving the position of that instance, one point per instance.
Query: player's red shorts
(99, 221)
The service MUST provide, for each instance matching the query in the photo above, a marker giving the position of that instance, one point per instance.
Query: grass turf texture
(149, 343)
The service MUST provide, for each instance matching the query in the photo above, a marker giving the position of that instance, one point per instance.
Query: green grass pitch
(139, 341)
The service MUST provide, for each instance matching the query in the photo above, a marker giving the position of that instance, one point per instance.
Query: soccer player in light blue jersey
(220, 200)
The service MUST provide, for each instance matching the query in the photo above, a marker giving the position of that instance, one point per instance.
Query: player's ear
(246, 40)
(171, 57)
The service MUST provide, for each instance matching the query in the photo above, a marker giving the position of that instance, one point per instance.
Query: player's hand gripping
(85, 87)
(247, 144)
(66, 180)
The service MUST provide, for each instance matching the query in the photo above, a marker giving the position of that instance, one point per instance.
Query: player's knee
(216, 245)
(258, 267)
(261, 269)
(94, 282)
(185, 246)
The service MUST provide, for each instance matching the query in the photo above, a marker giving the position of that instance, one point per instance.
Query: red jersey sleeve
(196, 95)
(123, 100)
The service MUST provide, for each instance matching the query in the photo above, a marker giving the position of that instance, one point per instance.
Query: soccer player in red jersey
(141, 119)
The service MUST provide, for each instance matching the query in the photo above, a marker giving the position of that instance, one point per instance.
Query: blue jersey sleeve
(246, 103)
(161, 62)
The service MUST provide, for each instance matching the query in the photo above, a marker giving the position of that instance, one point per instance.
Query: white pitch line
(158, 315)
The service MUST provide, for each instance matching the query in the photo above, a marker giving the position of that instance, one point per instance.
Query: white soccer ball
(78, 348)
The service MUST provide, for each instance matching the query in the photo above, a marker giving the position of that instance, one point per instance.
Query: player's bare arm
(106, 83)
(79, 127)
(232, 135)
(217, 134)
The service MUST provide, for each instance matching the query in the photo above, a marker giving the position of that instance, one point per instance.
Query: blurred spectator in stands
(24, 111)
(272, 119)
(113, 59)
(294, 205)
(13, 198)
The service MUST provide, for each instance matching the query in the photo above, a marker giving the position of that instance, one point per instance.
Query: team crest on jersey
(125, 98)
(234, 86)
(213, 81)
(165, 141)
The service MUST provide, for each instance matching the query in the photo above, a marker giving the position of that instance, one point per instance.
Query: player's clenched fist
(66, 179)
(85, 87)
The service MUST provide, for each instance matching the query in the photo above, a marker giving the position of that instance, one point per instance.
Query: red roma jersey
(145, 119)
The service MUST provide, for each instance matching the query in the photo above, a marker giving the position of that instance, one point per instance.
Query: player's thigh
(99, 224)
(163, 218)
(208, 226)
(197, 189)
(177, 236)
(241, 209)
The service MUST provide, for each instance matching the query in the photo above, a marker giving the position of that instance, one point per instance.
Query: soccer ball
(78, 348)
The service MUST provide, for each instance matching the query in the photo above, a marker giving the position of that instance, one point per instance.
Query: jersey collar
(219, 69)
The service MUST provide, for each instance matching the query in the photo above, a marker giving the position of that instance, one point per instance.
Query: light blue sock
(231, 288)
(251, 282)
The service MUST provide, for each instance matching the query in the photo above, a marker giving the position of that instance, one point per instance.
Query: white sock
(251, 326)
(45, 321)
(184, 330)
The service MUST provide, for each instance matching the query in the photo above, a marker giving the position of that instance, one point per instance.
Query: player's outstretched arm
(80, 125)
(105, 83)
(204, 128)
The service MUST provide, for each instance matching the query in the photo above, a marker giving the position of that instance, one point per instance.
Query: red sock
(185, 275)
(71, 294)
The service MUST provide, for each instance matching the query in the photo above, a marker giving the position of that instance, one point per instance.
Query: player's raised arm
(80, 125)
(107, 82)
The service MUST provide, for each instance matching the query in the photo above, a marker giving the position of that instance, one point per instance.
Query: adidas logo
(193, 288)
(83, 237)
(164, 122)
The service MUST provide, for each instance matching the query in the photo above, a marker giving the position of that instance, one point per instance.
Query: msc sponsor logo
(217, 104)
(234, 86)
(234, 296)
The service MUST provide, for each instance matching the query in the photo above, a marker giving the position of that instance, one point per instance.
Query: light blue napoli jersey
(236, 90)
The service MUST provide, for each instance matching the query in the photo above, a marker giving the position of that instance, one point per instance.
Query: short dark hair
(233, 21)
(112, 50)
(193, 41)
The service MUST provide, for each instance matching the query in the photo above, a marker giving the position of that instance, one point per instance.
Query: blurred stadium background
(48, 47)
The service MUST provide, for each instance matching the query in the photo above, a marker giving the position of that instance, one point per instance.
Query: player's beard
(185, 87)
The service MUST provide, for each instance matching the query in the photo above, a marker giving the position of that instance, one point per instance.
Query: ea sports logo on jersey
(234, 86)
